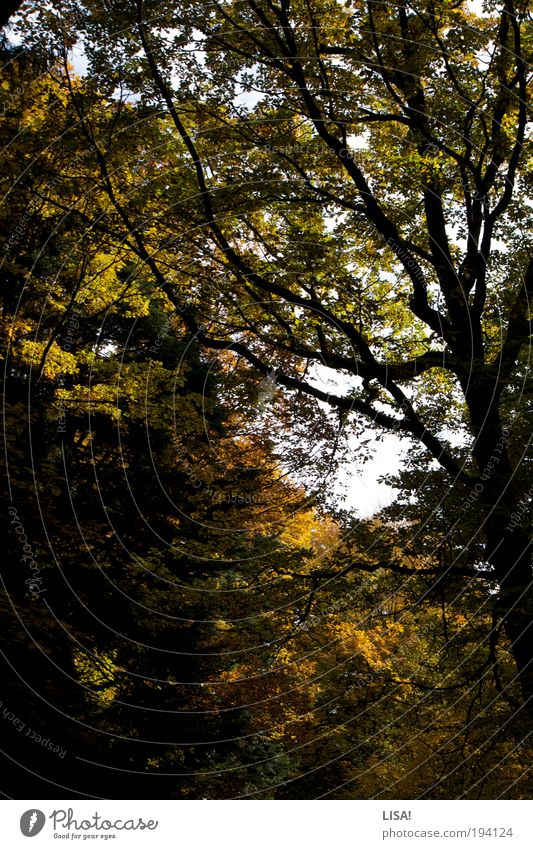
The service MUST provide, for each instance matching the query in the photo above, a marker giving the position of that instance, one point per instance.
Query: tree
(119, 521)
(175, 256)
(352, 218)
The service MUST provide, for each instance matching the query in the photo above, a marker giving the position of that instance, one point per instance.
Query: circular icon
(32, 822)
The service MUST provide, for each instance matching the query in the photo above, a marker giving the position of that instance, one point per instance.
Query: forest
(248, 248)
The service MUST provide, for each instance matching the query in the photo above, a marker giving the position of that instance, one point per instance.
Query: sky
(364, 493)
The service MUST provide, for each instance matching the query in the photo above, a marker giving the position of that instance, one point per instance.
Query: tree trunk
(509, 552)
(508, 549)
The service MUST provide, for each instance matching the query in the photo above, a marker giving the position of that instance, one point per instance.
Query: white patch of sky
(79, 59)
(475, 6)
(193, 46)
(360, 141)
(358, 481)
(248, 97)
(365, 493)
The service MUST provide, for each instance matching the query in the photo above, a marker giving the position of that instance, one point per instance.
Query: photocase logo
(32, 822)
